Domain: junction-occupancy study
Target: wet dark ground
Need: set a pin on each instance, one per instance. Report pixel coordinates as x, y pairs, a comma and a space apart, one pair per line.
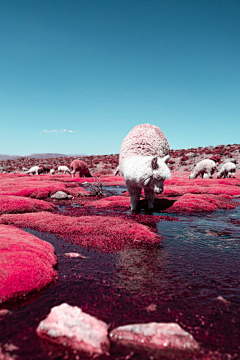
191, 277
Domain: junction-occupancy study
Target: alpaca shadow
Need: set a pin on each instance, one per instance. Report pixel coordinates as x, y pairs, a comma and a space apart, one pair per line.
160, 205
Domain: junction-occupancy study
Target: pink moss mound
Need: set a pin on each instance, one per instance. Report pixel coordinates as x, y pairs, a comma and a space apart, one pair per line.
26, 263
163, 336
103, 232
110, 202
19, 204
201, 194
39, 187
200, 202
70, 326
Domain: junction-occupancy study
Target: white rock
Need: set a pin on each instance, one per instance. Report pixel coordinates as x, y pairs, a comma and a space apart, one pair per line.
69, 325
154, 335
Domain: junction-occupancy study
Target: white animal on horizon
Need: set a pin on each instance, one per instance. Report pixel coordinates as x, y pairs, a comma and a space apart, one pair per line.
143, 158
227, 170
64, 169
203, 168
52, 171
34, 170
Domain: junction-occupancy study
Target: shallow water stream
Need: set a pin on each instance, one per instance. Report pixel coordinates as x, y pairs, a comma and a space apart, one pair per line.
191, 277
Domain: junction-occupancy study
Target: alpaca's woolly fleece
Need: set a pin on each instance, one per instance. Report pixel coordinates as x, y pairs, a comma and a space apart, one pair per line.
227, 170
146, 172
144, 140
139, 171
206, 166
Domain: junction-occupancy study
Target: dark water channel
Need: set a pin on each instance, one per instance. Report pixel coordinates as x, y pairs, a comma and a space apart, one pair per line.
191, 277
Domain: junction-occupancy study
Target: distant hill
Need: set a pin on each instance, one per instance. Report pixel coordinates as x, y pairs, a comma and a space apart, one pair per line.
36, 156
9, 157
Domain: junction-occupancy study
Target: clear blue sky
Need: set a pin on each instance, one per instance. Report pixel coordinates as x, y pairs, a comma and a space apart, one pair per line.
76, 76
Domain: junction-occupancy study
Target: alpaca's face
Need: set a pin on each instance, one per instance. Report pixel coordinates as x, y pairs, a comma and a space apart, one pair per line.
158, 187
161, 172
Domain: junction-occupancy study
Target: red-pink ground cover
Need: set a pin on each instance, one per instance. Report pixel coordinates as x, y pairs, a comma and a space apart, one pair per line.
110, 202
103, 232
19, 204
201, 202
34, 186
26, 263
178, 186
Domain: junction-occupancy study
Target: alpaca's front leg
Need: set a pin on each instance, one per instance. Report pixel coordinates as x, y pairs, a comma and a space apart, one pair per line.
149, 196
135, 196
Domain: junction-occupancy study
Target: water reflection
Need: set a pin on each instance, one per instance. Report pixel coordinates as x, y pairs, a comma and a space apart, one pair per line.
141, 270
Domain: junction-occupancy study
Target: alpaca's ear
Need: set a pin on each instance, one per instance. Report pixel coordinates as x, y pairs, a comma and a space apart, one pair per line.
166, 158
155, 163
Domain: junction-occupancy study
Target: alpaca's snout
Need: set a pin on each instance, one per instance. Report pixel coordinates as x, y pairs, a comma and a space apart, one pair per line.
158, 189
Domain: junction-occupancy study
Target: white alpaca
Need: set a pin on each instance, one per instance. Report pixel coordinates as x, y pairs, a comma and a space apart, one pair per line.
64, 169
148, 172
34, 170
143, 164
227, 170
206, 166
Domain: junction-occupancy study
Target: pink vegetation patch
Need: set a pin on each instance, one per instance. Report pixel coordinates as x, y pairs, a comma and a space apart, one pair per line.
200, 202
31, 186
26, 263
18, 204
110, 202
106, 233
201, 194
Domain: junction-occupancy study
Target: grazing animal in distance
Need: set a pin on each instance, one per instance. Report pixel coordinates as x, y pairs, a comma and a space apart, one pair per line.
143, 158
35, 170
81, 167
203, 167
64, 169
52, 171
227, 170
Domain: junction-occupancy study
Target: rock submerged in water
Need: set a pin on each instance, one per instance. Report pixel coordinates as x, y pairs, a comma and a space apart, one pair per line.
70, 326
160, 336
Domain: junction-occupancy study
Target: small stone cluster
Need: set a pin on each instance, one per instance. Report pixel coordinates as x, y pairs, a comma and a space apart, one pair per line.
70, 326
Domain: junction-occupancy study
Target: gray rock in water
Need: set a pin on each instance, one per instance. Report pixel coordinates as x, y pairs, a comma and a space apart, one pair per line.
61, 195
70, 326
160, 336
